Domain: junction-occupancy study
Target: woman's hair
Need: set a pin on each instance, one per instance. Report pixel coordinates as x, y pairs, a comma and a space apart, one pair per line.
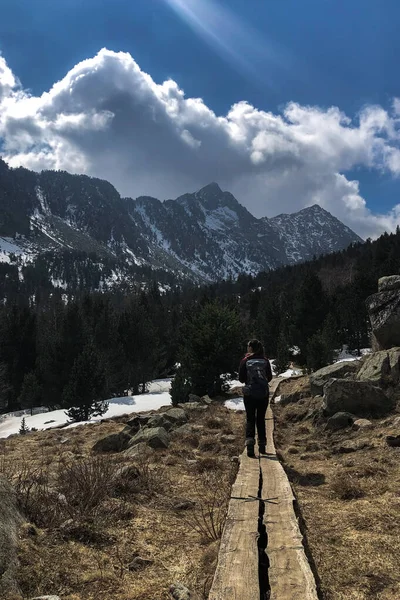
257, 346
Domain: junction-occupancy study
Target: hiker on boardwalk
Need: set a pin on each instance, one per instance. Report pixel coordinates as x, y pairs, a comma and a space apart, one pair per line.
255, 372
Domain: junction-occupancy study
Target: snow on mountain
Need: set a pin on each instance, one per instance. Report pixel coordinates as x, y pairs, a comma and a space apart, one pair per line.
202, 237
311, 232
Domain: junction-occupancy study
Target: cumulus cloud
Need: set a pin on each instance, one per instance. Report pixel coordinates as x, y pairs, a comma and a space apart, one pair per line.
109, 119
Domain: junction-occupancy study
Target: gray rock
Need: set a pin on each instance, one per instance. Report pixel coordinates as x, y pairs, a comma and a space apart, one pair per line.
392, 282
194, 398
206, 399
227, 439
179, 591
46, 598
362, 424
177, 416
155, 437
290, 398
141, 449
350, 446
382, 366
384, 314
357, 397
340, 420
183, 429
116, 442
10, 519
338, 370
193, 406
160, 421
138, 421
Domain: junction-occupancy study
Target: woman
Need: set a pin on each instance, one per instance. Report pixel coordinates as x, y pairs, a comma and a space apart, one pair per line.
255, 372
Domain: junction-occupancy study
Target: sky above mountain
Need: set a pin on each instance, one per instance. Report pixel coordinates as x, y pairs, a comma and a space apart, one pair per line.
285, 104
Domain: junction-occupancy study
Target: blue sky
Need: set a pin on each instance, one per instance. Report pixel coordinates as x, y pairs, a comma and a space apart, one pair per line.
318, 53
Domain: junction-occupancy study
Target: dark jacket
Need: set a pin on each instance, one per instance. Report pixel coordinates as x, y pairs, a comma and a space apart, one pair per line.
243, 369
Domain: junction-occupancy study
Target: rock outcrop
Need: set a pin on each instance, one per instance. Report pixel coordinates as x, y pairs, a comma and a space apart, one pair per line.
381, 367
10, 519
384, 312
360, 398
339, 370
155, 437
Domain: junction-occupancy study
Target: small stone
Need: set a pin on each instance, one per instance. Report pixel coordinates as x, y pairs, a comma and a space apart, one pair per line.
206, 399
227, 439
340, 420
46, 598
351, 446
194, 398
179, 591
141, 449
362, 424
393, 441
138, 563
235, 460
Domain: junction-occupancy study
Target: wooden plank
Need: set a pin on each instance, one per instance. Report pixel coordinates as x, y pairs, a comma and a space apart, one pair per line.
236, 577
289, 573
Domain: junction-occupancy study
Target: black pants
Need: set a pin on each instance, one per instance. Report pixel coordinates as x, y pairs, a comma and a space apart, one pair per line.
255, 416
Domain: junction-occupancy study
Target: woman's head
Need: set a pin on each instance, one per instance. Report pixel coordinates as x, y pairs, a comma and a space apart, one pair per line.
255, 347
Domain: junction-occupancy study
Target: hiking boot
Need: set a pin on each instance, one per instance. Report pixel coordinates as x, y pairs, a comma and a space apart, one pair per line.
261, 448
250, 450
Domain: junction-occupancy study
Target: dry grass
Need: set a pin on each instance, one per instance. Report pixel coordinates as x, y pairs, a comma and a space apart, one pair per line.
89, 516
351, 510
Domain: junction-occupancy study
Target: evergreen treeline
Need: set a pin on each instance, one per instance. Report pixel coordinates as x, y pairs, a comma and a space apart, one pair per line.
76, 350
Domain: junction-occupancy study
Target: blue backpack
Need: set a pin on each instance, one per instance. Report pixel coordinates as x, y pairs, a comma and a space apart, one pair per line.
257, 382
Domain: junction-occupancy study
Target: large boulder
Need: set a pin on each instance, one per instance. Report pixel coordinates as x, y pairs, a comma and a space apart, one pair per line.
177, 416
10, 519
338, 370
392, 282
115, 442
361, 398
380, 367
384, 312
155, 437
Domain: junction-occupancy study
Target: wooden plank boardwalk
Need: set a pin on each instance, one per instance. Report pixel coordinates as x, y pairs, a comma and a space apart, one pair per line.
238, 574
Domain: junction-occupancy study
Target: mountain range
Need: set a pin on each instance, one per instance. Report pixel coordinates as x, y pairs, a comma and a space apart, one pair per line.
201, 237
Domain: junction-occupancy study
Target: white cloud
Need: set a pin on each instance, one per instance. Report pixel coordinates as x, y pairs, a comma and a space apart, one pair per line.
109, 119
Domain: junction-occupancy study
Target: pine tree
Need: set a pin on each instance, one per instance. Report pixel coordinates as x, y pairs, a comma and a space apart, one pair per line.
282, 355
210, 347
86, 390
24, 429
318, 354
31, 392
180, 388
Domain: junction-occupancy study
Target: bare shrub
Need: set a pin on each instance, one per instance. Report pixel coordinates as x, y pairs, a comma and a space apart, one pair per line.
209, 463
85, 484
346, 486
208, 516
37, 500
209, 444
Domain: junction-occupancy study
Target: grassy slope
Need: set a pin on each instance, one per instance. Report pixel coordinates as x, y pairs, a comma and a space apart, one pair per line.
350, 502
82, 548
